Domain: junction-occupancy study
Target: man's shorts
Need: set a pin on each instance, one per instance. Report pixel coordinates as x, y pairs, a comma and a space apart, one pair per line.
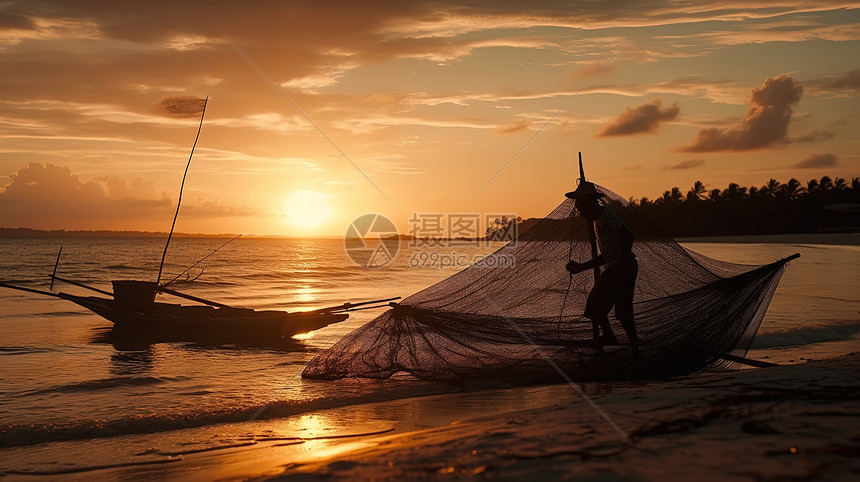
614, 287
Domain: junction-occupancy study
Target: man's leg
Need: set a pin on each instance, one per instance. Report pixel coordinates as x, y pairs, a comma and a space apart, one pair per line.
599, 304
624, 304
630, 329
608, 337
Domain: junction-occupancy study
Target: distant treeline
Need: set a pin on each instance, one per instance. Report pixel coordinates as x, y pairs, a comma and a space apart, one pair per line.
61, 233
775, 208
820, 205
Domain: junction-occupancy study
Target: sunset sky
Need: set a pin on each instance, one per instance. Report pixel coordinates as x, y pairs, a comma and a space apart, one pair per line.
408, 106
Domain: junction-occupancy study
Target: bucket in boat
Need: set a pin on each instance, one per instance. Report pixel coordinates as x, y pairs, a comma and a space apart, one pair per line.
136, 295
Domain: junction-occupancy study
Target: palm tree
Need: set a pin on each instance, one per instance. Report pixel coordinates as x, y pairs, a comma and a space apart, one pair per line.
812, 186
793, 189
671, 197
697, 192
839, 184
772, 187
735, 192
714, 195
754, 192
826, 184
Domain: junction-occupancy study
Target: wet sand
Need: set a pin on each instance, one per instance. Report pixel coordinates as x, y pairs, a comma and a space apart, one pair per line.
845, 239
794, 422
791, 422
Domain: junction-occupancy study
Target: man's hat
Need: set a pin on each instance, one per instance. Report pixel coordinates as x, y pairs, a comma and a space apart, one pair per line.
585, 189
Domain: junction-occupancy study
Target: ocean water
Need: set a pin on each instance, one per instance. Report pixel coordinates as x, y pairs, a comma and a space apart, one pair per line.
75, 396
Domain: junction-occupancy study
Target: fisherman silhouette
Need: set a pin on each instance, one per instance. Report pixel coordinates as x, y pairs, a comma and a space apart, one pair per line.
614, 286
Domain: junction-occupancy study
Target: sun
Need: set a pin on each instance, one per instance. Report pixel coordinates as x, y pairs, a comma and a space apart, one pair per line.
307, 209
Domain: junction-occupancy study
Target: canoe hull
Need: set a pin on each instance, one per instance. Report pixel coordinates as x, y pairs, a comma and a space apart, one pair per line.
205, 321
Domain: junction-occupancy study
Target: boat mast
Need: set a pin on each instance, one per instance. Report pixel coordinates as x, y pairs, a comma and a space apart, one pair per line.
181, 187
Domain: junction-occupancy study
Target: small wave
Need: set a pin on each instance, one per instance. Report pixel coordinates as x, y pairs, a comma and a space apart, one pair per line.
316, 275
47, 314
23, 350
204, 284
59, 313
104, 384
806, 335
125, 267
32, 434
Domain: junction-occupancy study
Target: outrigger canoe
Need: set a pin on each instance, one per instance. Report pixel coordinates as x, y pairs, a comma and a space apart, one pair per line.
131, 308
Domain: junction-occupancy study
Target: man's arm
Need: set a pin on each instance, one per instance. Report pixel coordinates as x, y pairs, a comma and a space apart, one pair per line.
576, 267
626, 241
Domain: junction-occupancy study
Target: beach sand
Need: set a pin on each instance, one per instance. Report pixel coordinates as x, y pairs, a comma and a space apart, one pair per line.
844, 239
795, 422
791, 422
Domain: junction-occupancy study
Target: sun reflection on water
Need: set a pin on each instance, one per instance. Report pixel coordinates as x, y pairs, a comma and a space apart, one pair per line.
314, 426
304, 293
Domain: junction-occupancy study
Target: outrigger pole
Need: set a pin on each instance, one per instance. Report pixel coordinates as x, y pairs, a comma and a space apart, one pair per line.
30, 290
76, 283
161, 289
181, 187
330, 309
351, 306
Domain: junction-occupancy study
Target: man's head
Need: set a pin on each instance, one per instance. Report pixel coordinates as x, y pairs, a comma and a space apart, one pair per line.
589, 206
587, 200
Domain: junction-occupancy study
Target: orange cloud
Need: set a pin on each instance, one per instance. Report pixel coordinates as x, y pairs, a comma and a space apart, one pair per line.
13, 21
812, 137
765, 123
640, 119
688, 164
816, 161
180, 106
849, 81
45, 197
51, 197
515, 127
50, 183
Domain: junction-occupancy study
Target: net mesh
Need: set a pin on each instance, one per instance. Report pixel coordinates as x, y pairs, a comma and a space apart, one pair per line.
505, 316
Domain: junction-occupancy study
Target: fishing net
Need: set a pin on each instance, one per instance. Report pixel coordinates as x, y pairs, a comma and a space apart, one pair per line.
518, 312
